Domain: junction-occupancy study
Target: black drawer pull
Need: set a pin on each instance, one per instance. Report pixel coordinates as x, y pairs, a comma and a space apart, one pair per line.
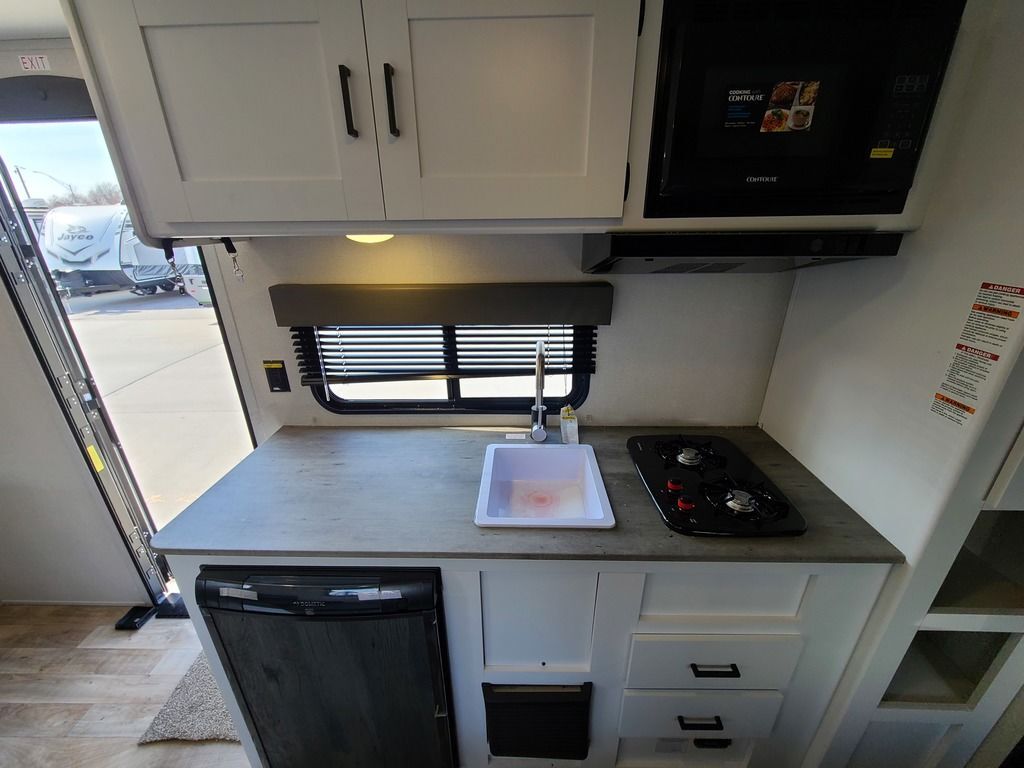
712, 743
715, 670
389, 92
346, 100
701, 723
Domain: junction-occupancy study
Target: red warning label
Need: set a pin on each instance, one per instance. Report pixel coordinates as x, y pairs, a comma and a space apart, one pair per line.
992, 322
1014, 289
978, 352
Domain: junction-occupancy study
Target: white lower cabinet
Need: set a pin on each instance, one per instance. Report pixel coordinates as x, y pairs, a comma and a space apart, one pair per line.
671, 687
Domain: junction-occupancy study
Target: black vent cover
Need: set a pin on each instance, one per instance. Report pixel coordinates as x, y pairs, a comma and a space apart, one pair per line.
547, 721
690, 252
770, 10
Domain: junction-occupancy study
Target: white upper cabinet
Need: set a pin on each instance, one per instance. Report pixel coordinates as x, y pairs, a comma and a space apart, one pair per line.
230, 117
232, 110
502, 108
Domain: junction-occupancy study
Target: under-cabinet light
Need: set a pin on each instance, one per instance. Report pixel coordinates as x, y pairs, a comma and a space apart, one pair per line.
369, 238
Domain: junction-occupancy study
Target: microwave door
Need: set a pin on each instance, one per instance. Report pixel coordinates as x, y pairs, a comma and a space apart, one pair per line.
777, 115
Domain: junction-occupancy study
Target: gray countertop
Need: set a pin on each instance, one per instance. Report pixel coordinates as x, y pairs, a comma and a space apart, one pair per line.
411, 492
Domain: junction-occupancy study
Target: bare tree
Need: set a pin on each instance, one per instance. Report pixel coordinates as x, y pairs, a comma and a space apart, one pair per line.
103, 193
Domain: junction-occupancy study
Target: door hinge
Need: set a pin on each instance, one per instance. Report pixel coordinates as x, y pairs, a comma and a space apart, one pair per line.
625, 186
643, 12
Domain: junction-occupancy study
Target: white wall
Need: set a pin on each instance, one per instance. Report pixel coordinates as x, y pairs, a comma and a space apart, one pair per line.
57, 540
23, 19
693, 349
866, 345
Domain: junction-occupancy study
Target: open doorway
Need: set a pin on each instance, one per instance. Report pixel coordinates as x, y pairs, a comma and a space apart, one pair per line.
147, 329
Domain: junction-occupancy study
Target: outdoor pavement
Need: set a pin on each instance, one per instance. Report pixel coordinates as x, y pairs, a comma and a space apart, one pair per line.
161, 369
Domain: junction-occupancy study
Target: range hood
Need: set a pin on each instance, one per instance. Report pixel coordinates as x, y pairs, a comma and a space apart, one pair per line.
714, 252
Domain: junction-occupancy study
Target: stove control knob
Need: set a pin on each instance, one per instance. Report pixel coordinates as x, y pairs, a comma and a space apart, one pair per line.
685, 504
675, 485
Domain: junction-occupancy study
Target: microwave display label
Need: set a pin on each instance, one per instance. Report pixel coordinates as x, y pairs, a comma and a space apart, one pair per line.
782, 107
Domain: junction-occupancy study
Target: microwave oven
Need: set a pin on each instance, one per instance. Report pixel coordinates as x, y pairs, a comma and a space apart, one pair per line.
781, 108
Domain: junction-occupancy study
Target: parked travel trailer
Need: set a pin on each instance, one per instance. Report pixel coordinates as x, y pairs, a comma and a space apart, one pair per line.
93, 249
616, 384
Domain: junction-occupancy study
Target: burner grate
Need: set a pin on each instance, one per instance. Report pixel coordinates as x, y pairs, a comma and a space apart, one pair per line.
744, 500
689, 454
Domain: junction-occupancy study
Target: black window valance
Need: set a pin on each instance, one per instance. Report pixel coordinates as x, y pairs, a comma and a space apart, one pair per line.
297, 305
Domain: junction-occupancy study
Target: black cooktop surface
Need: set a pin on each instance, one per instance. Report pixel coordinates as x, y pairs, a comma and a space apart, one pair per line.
706, 486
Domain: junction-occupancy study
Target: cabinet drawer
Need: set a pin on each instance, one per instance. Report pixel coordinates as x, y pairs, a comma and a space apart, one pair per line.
697, 714
745, 662
702, 752
739, 591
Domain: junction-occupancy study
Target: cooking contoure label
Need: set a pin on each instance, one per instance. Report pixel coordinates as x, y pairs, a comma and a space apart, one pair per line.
783, 107
991, 322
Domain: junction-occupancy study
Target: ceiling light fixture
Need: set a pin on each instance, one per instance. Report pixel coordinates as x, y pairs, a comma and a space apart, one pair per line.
369, 238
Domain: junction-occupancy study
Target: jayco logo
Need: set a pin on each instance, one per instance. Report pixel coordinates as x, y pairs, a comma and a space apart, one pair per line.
762, 179
75, 232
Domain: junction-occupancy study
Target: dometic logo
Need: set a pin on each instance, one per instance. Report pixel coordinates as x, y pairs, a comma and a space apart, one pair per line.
75, 232
762, 179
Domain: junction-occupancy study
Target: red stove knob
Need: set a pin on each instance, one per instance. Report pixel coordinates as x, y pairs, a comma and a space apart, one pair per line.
685, 504
674, 484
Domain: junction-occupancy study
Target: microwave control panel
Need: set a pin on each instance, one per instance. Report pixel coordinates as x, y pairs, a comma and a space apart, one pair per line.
902, 119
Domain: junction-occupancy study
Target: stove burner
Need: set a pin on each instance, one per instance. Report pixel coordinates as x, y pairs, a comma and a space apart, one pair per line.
692, 455
689, 457
744, 500
741, 501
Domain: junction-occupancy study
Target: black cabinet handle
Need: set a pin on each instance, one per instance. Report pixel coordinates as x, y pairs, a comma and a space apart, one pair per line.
712, 743
346, 100
715, 670
700, 723
389, 91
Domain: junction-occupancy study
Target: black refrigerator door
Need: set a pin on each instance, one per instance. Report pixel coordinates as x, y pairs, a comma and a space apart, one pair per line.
322, 688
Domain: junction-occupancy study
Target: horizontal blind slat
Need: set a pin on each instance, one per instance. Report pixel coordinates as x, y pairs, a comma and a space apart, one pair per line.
340, 354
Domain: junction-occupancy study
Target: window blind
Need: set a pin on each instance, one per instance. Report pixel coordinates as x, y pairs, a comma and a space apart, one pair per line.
338, 354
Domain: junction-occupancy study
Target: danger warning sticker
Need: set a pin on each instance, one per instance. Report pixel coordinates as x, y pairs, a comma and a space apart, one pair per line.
991, 322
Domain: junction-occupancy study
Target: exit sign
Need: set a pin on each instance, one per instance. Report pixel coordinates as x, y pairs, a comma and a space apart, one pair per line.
34, 63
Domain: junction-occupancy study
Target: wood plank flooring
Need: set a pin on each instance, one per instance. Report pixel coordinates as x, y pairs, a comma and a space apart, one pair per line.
76, 693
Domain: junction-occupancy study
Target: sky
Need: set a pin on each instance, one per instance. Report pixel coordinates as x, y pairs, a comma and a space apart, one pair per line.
73, 152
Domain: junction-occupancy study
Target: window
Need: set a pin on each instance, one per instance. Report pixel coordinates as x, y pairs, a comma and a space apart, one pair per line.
443, 368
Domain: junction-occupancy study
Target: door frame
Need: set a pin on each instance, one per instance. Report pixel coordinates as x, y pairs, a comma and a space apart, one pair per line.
30, 286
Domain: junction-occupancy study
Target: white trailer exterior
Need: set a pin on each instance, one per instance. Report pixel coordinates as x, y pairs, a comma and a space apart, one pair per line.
93, 248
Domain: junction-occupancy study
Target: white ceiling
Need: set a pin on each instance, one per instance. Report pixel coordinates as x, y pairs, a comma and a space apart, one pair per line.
25, 19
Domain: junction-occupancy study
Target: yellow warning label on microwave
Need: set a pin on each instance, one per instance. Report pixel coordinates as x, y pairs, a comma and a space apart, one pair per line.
94, 457
882, 153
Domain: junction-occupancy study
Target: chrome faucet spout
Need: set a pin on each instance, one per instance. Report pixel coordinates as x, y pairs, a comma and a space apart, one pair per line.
537, 431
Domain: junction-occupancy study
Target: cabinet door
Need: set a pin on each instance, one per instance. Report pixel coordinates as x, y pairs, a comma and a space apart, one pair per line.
232, 110
502, 109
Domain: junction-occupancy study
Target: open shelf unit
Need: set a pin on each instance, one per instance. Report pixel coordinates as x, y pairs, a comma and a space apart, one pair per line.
975, 587
984, 587
948, 669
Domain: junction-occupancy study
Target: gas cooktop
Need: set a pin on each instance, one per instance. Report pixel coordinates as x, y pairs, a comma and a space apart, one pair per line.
706, 486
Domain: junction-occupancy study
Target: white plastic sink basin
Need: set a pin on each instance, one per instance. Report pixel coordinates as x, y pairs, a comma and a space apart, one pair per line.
542, 486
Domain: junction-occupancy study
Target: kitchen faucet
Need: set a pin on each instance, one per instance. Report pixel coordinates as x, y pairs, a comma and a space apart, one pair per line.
537, 432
